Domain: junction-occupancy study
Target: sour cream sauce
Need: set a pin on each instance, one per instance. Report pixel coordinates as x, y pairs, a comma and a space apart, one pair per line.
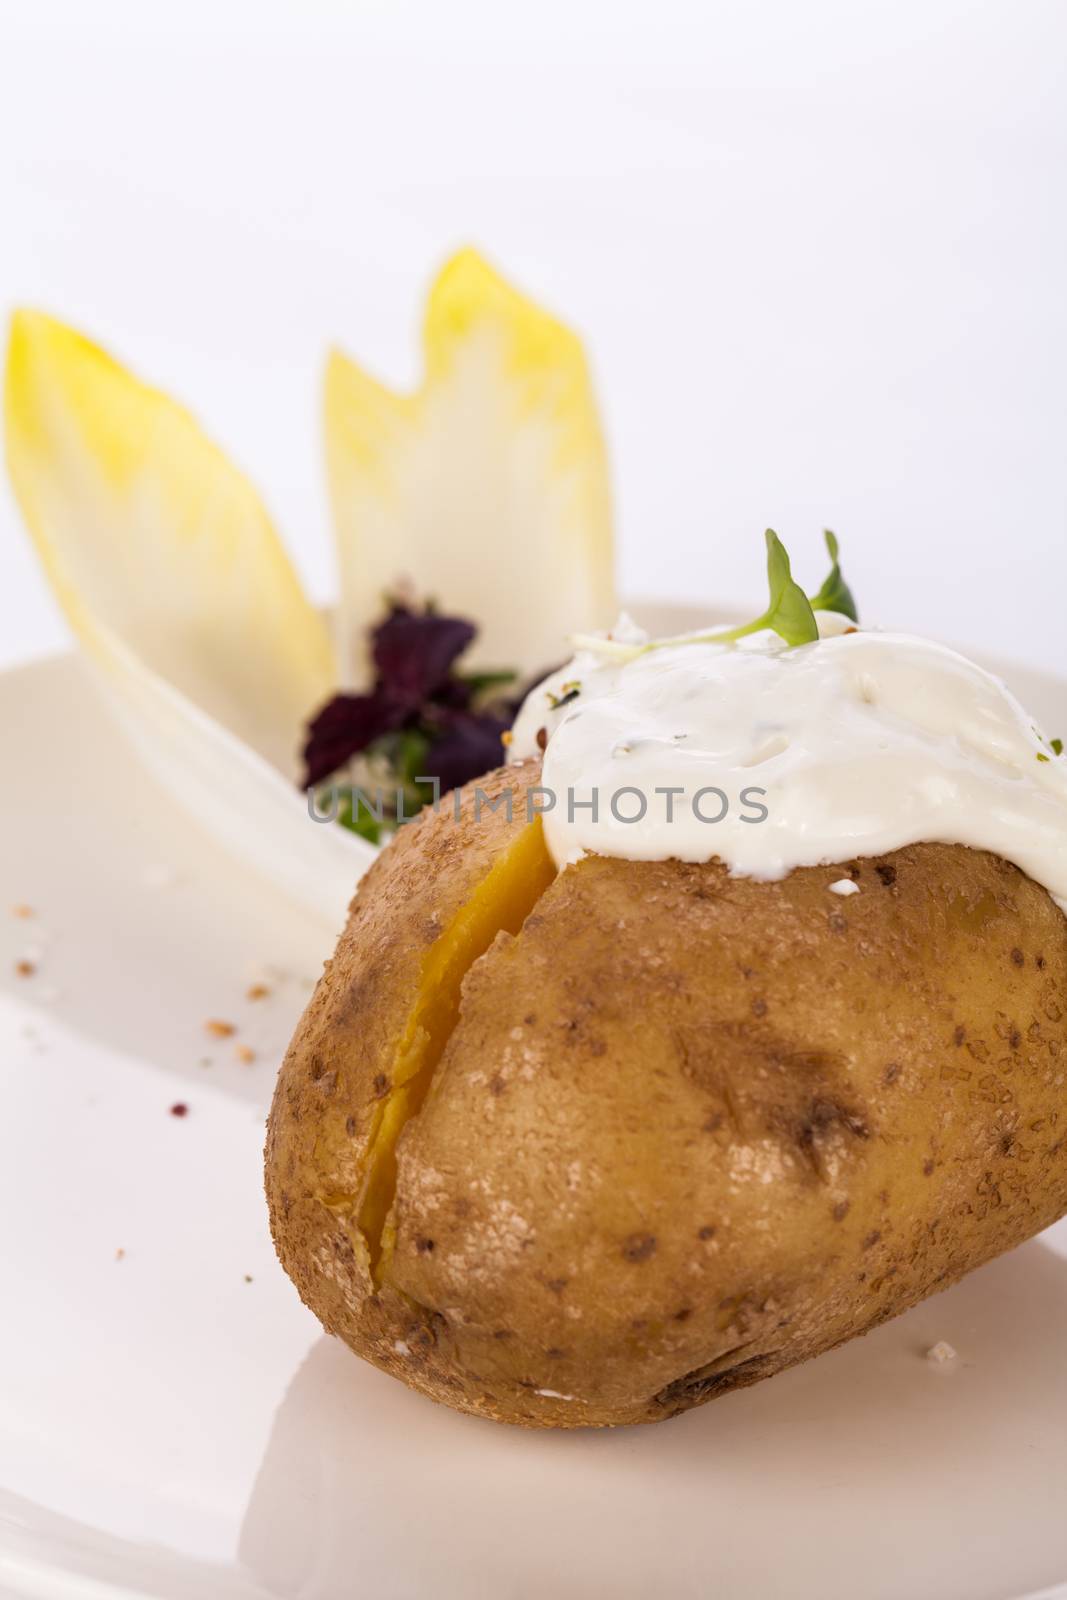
780, 757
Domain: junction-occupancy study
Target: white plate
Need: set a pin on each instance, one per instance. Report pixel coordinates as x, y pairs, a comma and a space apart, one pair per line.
169, 1429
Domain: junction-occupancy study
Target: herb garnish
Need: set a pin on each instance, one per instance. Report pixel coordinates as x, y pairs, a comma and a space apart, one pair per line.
567, 692
790, 613
424, 722
422, 719
835, 594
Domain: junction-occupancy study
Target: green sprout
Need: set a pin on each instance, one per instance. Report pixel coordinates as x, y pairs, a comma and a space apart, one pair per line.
790, 613
835, 594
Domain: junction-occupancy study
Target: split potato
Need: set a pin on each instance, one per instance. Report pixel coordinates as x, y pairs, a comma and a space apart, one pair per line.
594, 1148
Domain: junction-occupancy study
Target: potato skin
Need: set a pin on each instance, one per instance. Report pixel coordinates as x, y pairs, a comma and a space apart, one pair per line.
689, 1130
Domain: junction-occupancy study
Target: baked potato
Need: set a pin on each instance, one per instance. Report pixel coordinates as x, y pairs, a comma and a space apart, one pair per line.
593, 1148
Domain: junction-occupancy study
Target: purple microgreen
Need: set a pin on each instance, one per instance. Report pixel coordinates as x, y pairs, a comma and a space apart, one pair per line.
346, 726
465, 749
413, 651
419, 719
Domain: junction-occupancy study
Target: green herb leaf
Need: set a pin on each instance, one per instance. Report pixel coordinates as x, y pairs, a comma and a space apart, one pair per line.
480, 683
406, 753
835, 594
357, 819
1056, 746
567, 692
789, 613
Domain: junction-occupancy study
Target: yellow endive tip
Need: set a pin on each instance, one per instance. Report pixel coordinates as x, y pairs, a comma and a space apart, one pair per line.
154, 542
487, 487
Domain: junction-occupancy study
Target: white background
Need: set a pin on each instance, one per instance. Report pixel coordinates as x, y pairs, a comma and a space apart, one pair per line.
816, 250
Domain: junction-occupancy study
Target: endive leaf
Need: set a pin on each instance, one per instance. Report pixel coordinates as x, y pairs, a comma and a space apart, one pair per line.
487, 489
235, 794
149, 534
177, 588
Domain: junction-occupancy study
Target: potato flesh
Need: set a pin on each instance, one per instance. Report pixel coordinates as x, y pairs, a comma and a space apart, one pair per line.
500, 904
